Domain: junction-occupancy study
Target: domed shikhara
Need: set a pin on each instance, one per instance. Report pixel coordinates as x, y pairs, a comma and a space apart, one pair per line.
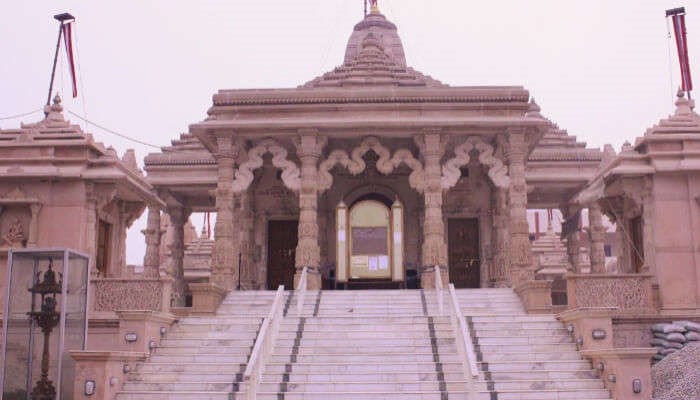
374, 56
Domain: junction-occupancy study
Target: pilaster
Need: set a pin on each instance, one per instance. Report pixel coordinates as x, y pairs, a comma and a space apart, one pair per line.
500, 274
517, 195
308, 252
224, 265
91, 227
434, 250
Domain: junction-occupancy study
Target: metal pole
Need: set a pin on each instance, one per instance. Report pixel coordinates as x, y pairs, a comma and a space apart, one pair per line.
55, 59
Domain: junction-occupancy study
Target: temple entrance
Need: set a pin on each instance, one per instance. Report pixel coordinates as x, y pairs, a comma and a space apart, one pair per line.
370, 244
463, 252
282, 237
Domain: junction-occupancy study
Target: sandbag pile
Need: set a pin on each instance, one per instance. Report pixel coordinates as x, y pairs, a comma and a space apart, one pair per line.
671, 337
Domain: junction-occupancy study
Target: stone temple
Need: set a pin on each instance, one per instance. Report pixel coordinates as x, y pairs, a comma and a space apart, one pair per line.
393, 210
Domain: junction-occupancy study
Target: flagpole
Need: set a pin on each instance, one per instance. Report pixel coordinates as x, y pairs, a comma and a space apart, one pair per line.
61, 18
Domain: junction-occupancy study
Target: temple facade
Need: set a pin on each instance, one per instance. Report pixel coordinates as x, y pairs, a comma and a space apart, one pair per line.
370, 175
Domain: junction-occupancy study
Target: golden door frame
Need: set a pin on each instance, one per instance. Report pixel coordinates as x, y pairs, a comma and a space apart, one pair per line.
361, 215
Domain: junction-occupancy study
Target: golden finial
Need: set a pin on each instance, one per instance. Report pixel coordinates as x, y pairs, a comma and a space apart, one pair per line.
375, 7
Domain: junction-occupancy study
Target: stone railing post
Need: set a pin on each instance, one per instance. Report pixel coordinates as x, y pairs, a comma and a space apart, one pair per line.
224, 272
434, 250
308, 252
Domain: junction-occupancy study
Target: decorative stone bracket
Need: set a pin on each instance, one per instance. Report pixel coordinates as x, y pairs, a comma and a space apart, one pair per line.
451, 169
290, 171
385, 165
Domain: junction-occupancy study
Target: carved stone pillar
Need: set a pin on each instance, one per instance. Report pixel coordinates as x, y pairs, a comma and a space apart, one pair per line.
434, 250
308, 252
520, 255
224, 267
178, 216
597, 229
152, 233
245, 246
500, 274
648, 229
34, 225
91, 227
573, 243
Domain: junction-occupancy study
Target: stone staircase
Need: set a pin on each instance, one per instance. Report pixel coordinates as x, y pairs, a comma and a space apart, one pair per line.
364, 344
202, 358
525, 356
370, 344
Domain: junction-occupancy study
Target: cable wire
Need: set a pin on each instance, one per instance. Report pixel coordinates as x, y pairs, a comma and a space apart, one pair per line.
21, 115
113, 132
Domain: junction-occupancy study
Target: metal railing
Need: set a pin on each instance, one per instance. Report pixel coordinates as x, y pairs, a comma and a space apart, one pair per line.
438, 290
301, 290
264, 345
465, 347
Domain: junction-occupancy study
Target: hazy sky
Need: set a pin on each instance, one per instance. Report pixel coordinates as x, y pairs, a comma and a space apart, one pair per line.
148, 69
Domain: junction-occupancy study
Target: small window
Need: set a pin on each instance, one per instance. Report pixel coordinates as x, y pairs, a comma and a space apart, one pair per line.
608, 250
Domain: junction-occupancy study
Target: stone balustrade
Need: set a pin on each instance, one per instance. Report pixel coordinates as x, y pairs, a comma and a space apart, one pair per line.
630, 293
112, 294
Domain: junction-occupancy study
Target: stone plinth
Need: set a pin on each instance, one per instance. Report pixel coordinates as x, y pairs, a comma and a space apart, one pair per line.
138, 328
206, 297
105, 368
536, 296
592, 326
621, 368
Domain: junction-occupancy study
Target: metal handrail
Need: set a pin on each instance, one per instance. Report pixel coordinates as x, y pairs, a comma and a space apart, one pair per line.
264, 345
464, 340
301, 289
438, 290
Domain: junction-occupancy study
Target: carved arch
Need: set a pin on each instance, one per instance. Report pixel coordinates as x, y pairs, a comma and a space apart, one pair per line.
290, 171
451, 169
385, 165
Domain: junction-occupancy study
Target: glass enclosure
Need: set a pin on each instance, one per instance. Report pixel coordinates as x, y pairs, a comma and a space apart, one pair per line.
44, 318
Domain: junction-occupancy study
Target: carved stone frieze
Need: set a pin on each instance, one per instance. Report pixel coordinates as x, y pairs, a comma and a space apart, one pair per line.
496, 170
123, 294
290, 171
385, 164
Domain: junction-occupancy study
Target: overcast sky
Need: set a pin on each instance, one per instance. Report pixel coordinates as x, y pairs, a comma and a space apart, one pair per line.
148, 69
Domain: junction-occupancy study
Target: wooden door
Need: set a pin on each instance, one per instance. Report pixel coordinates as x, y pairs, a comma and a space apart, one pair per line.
463, 252
282, 237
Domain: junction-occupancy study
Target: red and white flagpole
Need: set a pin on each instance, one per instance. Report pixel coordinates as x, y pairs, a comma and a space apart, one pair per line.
678, 17
64, 31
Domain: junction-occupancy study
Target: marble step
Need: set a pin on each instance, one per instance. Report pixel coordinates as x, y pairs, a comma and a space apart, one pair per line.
379, 320
351, 358
203, 367
378, 335
363, 386
219, 350
305, 349
556, 365
210, 334
198, 358
411, 327
536, 385
366, 342
206, 342
510, 332
362, 367
180, 386
516, 325
398, 376
427, 395
152, 395
543, 375
193, 376
499, 348
532, 356
513, 340
515, 318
